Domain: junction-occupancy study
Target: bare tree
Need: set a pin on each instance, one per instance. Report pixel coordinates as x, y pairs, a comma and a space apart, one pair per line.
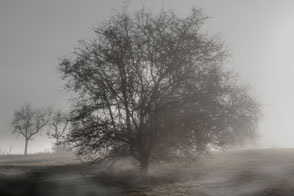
58, 125
28, 122
155, 87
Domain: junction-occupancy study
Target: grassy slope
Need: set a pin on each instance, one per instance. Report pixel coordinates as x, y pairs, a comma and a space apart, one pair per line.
250, 172
253, 172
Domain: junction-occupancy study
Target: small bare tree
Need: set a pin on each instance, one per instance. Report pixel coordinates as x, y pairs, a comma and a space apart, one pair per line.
58, 125
28, 122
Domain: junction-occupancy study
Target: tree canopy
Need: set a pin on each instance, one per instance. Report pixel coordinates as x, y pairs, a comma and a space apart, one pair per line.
154, 87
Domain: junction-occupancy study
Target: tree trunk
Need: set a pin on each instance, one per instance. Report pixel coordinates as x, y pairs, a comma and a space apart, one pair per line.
26, 147
144, 168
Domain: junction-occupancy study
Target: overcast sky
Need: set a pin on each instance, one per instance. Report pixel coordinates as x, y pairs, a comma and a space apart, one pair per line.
35, 33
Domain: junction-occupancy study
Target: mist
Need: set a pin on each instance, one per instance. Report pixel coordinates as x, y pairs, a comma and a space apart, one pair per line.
39, 51
34, 35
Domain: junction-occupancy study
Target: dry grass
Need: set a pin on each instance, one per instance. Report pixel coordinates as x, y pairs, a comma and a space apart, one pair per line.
234, 173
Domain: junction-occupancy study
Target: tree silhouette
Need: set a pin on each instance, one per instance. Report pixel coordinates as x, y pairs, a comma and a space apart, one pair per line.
28, 122
154, 87
58, 125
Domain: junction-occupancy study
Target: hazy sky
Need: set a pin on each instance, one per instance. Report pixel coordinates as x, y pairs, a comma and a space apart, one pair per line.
35, 33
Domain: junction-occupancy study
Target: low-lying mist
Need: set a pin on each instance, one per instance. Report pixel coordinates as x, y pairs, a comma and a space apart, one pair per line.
232, 173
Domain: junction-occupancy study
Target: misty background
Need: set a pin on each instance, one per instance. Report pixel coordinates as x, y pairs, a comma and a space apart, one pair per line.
34, 34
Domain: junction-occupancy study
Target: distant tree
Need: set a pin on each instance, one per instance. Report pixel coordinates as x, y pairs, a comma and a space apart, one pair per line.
155, 87
58, 125
28, 122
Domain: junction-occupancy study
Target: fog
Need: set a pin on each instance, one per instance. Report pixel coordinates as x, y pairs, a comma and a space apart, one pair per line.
34, 34
239, 173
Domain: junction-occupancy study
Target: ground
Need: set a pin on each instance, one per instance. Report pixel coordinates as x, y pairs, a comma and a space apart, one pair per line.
233, 173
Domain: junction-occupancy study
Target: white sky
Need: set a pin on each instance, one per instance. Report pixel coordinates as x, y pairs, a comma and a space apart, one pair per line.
34, 33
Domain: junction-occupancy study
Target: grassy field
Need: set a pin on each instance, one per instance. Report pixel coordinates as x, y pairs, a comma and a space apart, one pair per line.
234, 173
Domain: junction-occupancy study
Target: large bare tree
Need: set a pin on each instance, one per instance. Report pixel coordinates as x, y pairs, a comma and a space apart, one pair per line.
27, 122
154, 87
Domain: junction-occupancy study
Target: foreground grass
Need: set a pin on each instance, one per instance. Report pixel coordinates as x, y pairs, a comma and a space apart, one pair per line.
236, 173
